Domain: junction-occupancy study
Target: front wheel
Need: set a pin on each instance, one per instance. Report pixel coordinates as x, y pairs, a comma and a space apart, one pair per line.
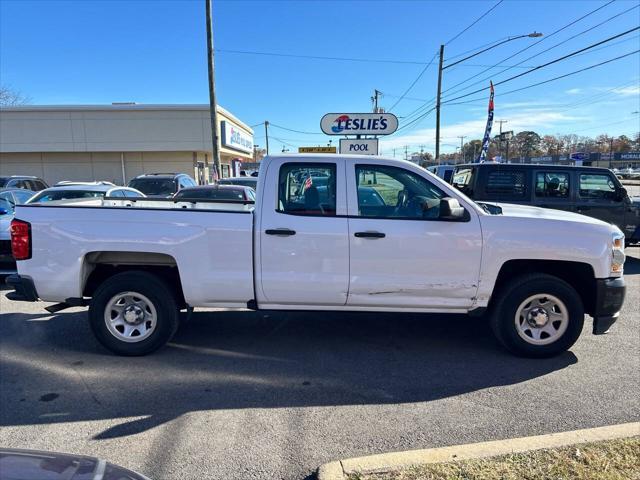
133, 313
537, 315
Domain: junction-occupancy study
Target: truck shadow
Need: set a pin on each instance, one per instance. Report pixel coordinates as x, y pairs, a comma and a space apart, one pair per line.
54, 370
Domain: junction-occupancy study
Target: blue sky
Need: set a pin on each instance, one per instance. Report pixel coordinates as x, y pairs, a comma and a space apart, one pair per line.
88, 52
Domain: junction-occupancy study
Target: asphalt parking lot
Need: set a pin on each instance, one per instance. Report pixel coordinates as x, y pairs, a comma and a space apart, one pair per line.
255, 395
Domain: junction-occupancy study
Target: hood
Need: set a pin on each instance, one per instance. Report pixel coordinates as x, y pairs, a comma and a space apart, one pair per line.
525, 211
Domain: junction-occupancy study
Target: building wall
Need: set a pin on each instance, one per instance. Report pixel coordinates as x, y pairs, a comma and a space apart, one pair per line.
87, 166
90, 142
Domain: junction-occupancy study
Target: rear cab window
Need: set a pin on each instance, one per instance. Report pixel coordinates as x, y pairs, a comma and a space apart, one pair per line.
507, 184
307, 189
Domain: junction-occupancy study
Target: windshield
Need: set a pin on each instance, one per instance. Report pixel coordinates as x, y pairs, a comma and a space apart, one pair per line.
154, 186
244, 183
52, 195
462, 180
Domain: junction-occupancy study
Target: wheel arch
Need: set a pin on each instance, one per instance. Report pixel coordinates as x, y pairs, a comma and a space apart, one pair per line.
98, 266
579, 275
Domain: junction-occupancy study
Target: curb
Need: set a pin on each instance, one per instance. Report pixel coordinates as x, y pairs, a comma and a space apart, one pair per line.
385, 462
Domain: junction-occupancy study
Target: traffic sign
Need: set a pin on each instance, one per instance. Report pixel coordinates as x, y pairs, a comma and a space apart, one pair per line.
317, 150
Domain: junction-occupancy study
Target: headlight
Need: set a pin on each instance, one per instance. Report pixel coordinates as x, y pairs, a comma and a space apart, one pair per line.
617, 253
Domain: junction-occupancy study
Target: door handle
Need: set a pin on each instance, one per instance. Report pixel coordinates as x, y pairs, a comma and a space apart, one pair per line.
370, 235
281, 232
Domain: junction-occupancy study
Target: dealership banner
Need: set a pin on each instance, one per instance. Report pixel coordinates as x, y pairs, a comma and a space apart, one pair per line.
487, 132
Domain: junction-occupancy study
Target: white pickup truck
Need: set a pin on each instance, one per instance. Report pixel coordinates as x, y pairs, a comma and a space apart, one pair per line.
328, 232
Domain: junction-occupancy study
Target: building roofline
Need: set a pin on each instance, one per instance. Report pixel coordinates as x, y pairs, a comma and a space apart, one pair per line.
125, 107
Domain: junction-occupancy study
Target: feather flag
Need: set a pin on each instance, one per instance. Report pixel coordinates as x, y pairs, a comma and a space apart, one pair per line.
487, 132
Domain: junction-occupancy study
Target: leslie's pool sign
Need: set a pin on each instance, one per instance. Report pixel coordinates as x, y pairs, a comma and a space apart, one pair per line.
359, 123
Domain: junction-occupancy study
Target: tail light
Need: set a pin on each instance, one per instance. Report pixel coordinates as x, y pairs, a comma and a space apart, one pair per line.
20, 239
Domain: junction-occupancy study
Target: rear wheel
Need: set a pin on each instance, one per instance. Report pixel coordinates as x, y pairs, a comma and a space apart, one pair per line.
537, 315
133, 313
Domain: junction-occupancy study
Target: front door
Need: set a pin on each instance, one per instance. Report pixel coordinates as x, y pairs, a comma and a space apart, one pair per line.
598, 198
401, 253
304, 246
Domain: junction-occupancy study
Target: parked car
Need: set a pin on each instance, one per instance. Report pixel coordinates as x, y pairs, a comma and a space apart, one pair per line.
426, 248
244, 181
443, 171
25, 182
595, 192
83, 192
9, 198
218, 192
21, 464
162, 184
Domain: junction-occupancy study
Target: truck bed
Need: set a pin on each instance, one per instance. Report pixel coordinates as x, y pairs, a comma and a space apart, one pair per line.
210, 247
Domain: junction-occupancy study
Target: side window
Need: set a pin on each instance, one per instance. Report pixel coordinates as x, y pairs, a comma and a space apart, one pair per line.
188, 182
552, 185
115, 193
307, 189
506, 184
130, 194
38, 185
13, 184
393, 192
597, 186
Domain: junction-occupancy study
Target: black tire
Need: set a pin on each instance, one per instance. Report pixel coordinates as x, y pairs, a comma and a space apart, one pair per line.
156, 291
518, 290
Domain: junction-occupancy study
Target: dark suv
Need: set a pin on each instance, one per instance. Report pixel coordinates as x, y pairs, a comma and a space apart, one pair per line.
591, 191
34, 184
162, 184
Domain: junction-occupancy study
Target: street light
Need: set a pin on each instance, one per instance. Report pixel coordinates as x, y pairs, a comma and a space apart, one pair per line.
533, 34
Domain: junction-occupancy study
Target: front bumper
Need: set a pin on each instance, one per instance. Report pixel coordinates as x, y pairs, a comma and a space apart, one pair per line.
610, 294
23, 289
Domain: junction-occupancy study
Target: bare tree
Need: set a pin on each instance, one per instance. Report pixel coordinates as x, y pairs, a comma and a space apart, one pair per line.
10, 97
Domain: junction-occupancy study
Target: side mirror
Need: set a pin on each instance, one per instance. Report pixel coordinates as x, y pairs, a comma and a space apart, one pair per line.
450, 209
621, 194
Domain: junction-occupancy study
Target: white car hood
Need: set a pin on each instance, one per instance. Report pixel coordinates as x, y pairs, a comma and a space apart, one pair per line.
525, 211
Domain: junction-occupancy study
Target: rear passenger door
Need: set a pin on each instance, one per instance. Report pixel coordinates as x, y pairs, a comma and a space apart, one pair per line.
302, 246
553, 189
598, 198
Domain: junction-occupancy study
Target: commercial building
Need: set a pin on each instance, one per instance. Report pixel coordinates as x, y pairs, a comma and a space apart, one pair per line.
117, 142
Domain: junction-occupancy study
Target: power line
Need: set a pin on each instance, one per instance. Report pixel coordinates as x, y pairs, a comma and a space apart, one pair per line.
292, 130
555, 78
532, 45
320, 57
564, 57
415, 81
436, 54
475, 21
544, 51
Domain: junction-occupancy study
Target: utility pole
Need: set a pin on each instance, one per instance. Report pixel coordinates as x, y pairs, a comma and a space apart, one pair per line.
610, 151
462, 156
438, 104
212, 92
501, 122
266, 134
394, 153
406, 153
374, 100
